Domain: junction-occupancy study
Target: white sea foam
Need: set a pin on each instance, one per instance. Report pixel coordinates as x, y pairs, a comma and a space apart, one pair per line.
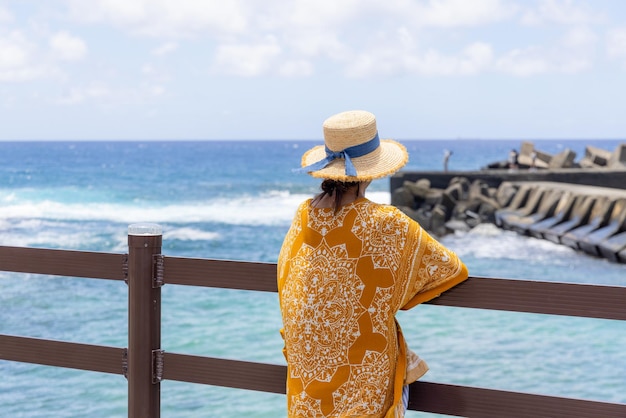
243, 210
49, 238
190, 234
272, 208
487, 241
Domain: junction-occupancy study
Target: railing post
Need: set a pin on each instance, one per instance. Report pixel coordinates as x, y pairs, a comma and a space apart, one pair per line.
144, 321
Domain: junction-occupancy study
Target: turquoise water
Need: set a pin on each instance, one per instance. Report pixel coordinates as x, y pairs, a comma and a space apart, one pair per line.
235, 200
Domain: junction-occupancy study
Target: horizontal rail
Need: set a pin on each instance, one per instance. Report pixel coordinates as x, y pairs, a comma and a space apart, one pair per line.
222, 372
241, 275
583, 300
425, 396
467, 401
63, 262
62, 354
270, 378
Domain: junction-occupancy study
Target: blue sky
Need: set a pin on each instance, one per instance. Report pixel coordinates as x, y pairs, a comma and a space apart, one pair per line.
275, 69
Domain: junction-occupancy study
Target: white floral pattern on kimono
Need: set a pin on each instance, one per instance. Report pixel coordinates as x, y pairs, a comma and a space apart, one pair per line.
341, 279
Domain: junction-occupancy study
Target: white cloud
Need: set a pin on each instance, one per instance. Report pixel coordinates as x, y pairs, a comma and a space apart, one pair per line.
362, 38
296, 68
247, 60
456, 13
473, 59
16, 59
154, 74
164, 18
67, 47
14, 51
400, 53
102, 94
573, 53
155, 90
309, 43
535, 60
523, 62
22, 58
79, 95
5, 15
580, 38
277, 14
616, 43
561, 11
165, 49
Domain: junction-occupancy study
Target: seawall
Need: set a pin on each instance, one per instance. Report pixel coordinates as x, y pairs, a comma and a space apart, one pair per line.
493, 178
581, 208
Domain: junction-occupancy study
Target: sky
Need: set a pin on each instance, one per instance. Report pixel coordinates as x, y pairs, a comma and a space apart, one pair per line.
275, 69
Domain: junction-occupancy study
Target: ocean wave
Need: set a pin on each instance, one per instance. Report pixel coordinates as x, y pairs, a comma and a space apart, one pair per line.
271, 208
190, 234
487, 241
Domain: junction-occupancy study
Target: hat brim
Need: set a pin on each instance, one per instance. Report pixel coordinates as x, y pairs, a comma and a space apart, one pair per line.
388, 158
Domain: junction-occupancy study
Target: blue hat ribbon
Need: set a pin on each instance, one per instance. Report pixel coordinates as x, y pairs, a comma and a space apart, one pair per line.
348, 153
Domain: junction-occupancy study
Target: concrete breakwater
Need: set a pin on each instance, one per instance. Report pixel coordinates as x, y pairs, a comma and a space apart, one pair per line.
529, 157
581, 204
588, 218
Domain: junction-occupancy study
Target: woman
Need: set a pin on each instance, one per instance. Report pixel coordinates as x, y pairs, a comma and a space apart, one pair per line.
347, 265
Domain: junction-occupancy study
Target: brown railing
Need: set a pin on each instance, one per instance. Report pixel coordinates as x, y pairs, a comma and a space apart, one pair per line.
145, 364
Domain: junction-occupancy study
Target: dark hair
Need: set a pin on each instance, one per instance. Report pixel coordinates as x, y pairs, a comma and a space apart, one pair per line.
339, 188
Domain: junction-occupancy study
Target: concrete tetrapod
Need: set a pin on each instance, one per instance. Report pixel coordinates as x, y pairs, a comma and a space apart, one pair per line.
547, 206
600, 215
580, 215
589, 243
562, 213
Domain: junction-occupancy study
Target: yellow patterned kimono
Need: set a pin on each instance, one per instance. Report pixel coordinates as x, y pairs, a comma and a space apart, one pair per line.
341, 279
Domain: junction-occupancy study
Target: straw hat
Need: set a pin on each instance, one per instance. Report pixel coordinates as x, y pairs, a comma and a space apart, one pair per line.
353, 150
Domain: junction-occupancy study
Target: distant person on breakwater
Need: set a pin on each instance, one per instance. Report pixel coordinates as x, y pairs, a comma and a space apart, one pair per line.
346, 266
446, 158
513, 158
533, 160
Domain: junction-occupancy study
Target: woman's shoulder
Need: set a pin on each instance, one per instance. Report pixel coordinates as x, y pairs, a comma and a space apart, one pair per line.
382, 207
385, 211
305, 204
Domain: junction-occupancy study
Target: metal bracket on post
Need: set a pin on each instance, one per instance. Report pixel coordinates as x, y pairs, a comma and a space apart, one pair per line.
158, 272
125, 268
157, 366
125, 363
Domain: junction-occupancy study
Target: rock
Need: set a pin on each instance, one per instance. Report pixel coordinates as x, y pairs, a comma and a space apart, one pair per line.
564, 159
525, 158
618, 157
595, 157
478, 188
457, 225
402, 197
449, 200
433, 197
419, 188
526, 149
438, 221
505, 193
487, 212
462, 208
423, 217
410, 212
461, 182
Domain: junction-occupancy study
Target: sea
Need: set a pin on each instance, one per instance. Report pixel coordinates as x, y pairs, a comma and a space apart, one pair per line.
234, 200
